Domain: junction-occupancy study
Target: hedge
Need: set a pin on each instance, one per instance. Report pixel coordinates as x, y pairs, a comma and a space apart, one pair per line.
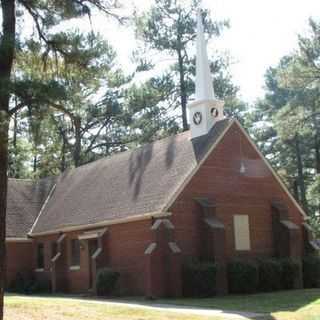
311, 271
270, 274
29, 285
199, 278
243, 276
291, 270
106, 281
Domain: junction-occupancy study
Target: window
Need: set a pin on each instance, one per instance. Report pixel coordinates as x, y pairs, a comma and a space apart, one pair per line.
241, 232
75, 252
40, 256
54, 249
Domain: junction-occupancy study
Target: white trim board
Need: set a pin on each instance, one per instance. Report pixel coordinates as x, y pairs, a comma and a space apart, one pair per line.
103, 223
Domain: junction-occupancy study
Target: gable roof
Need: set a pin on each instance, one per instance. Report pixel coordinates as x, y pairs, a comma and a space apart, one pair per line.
24, 201
129, 184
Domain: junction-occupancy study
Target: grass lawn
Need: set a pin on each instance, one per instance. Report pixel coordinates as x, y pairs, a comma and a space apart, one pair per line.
285, 305
45, 308
293, 305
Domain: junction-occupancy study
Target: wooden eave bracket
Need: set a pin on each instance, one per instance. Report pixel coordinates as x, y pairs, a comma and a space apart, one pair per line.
289, 224
151, 247
166, 222
205, 203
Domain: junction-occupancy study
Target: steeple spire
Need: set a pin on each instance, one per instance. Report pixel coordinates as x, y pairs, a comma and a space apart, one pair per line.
204, 87
206, 110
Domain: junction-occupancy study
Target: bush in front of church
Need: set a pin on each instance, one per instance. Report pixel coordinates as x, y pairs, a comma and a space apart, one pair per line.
311, 271
199, 278
270, 274
243, 276
291, 270
106, 281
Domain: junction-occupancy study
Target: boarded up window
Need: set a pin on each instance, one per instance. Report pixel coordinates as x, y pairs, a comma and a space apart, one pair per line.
75, 252
241, 232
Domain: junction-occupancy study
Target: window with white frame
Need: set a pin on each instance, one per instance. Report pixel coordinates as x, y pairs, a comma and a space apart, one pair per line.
241, 232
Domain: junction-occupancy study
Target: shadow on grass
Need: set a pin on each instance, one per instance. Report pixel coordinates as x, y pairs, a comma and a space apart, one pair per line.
262, 303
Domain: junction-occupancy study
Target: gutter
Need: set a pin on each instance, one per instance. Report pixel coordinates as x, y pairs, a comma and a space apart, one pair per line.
20, 240
141, 217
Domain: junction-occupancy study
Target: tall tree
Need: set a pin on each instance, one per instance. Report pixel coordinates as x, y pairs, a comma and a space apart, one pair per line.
45, 15
170, 28
290, 118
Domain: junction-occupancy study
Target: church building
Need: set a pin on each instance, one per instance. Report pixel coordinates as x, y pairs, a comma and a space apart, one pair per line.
205, 193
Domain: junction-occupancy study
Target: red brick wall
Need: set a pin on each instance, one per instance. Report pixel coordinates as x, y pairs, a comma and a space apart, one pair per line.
77, 281
219, 179
19, 260
125, 245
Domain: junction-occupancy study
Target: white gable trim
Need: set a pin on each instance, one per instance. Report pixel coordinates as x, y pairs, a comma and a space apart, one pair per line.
43, 207
284, 187
194, 170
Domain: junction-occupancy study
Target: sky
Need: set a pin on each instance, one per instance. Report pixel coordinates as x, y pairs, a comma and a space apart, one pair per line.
261, 32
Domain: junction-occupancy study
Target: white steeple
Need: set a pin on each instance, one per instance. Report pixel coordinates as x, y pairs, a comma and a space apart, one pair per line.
204, 88
205, 110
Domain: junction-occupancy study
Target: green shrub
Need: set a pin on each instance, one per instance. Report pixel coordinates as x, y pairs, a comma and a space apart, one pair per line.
199, 278
28, 285
242, 276
38, 286
291, 270
106, 281
270, 274
311, 271
18, 284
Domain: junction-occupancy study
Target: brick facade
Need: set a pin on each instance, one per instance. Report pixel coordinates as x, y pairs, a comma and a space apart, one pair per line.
149, 258
219, 179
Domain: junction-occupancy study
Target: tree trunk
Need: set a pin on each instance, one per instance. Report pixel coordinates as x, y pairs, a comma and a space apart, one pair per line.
296, 190
7, 45
63, 155
300, 174
77, 146
317, 151
183, 93
316, 140
15, 128
35, 163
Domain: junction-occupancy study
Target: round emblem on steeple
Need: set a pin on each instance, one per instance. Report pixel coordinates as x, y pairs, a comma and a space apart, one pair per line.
197, 118
214, 112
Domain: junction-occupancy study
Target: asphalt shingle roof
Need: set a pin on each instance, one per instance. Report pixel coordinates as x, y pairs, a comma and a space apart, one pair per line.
24, 201
124, 185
